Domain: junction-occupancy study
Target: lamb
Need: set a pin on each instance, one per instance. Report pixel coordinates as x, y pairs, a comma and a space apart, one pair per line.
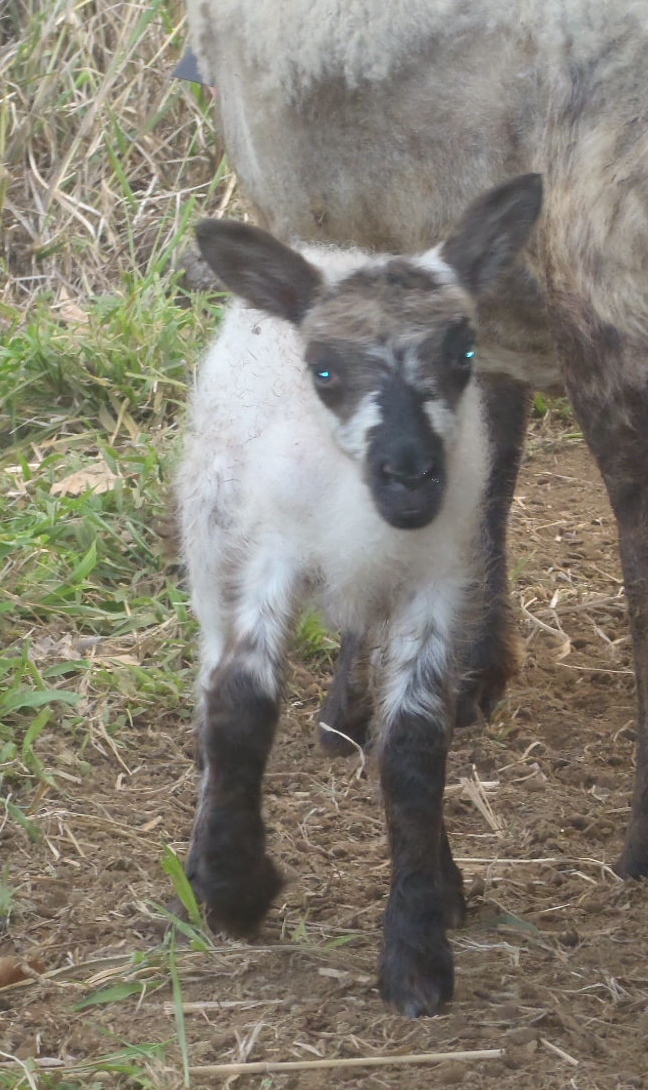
376, 124
337, 451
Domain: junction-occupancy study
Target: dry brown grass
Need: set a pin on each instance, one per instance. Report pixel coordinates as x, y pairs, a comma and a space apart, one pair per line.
104, 156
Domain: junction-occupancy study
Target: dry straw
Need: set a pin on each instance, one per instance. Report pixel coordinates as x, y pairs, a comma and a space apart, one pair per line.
262, 1067
103, 156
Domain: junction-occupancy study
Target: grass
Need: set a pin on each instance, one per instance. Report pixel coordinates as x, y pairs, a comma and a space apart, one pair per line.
313, 641
106, 163
134, 1067
96, 200
94, 625
89, 601
106, 156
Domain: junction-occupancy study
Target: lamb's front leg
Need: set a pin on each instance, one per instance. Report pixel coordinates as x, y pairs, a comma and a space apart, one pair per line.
228, 866
416, 972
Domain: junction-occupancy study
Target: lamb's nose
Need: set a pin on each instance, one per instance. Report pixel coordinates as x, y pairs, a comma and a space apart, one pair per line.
409, 474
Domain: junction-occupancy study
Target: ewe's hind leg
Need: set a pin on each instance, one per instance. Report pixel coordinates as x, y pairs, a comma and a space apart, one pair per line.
611, 403
491, 658
348, 707
416, 973
227, 864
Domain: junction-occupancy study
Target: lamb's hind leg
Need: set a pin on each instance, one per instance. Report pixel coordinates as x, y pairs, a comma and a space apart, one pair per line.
347, 710
228, 866
610, 397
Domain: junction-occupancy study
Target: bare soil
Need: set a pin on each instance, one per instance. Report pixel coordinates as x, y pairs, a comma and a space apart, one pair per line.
553, 963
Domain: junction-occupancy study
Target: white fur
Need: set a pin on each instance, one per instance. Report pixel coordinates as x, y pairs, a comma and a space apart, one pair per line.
352, 434
274, 510
441, 417
432, 262
417, 660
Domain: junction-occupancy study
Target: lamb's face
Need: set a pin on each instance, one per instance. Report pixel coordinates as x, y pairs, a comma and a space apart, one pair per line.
390, 346
390, 352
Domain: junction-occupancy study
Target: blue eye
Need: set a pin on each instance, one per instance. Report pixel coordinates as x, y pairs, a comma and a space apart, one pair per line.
326, 376
469, 355
326, 379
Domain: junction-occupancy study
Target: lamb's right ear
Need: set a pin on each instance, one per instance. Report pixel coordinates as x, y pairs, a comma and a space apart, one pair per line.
259, 268
492, 231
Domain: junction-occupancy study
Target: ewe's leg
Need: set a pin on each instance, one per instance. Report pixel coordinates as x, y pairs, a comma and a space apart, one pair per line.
348, 706
490, 659
426, 893
454, 904
227, 863
611, 401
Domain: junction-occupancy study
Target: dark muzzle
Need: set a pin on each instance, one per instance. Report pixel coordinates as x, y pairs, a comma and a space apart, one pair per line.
406, 462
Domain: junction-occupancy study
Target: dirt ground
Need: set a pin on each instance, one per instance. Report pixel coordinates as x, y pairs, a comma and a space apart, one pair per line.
552, 966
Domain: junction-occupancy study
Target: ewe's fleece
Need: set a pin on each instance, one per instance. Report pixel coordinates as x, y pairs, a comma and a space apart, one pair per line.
294, 43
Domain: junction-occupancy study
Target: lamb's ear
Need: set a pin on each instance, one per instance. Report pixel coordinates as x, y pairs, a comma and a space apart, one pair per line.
253, 264
492, 232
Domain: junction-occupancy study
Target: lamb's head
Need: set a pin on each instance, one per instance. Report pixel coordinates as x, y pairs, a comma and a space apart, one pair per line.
389, 344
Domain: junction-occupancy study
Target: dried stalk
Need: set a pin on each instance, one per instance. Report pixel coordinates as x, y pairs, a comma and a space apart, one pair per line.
263, 1067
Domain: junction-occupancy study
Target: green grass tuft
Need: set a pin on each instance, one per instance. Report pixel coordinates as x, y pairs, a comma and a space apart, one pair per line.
90, 602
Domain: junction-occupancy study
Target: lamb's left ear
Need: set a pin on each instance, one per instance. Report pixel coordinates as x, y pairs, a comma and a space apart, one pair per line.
253, 264
492, 232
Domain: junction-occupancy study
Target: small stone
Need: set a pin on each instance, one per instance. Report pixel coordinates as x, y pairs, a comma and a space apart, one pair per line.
477, 888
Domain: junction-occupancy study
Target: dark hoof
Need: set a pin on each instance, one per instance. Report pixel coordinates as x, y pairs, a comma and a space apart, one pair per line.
467, 712
174, 910
479, 696
633, 862
236, 901
417, 979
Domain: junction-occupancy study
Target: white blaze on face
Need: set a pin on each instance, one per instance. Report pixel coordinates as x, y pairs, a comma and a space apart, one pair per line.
441, 418
351, 434
439, 415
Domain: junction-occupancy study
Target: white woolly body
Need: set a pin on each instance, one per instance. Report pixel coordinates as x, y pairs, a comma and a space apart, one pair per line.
270, 501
